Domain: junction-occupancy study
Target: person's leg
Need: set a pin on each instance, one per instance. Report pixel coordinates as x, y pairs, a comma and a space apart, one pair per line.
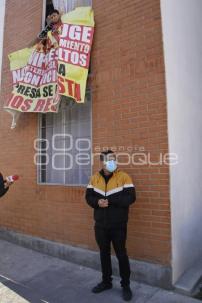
103, 240
118, 236
119, 243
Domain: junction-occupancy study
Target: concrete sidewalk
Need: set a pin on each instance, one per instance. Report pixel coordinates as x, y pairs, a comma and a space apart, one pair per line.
29, 276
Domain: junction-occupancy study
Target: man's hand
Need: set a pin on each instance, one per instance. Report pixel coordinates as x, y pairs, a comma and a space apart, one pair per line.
103, 203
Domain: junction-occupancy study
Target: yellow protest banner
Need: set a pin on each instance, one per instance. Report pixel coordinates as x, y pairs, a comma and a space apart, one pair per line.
74, 52
59, 66
34, 75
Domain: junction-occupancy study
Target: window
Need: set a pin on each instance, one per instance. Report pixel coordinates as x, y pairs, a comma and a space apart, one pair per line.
63, 150
68, 5
65, 144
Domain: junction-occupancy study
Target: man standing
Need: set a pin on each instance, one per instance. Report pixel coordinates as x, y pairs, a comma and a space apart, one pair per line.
110, 192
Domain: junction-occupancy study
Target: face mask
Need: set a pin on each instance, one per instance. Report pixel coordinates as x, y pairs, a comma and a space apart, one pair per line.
111, 165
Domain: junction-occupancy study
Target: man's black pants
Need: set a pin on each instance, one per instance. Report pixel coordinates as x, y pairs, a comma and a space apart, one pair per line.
104, 237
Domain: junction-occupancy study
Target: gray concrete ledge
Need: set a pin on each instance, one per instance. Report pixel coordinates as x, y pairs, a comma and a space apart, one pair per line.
152, 274
190, 283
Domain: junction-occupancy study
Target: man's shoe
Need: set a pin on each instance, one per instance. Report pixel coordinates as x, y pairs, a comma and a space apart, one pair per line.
127, 293
101, 287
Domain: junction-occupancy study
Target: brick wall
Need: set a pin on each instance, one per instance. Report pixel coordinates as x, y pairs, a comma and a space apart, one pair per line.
129, 111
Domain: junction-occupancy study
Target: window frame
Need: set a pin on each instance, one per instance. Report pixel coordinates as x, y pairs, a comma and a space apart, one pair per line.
39, 122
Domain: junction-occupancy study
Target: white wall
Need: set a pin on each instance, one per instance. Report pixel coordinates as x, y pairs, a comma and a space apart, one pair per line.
182, 36
2, 13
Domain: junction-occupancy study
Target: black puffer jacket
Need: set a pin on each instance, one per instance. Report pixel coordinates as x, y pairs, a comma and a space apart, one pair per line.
2, 189
120, 192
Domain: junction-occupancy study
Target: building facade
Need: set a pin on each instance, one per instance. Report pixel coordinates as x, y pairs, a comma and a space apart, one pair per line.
126, 109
